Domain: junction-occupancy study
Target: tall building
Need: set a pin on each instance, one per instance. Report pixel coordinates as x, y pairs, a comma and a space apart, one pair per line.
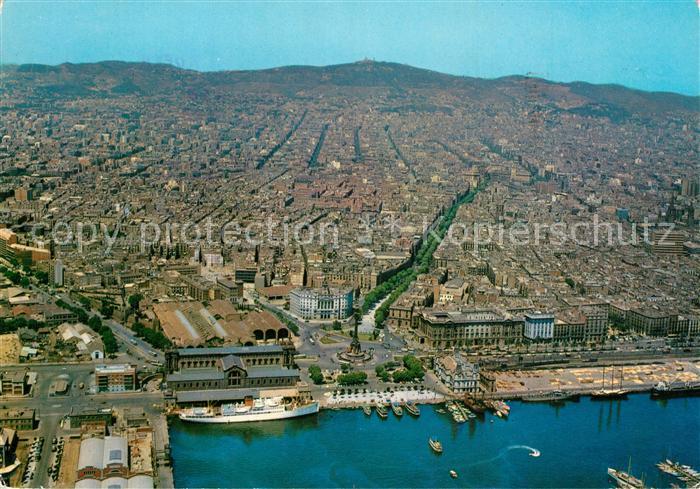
539, 326
7, 239
666, 241
57, 274
324, 303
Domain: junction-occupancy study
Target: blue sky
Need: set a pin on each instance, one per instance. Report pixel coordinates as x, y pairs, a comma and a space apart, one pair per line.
651, 45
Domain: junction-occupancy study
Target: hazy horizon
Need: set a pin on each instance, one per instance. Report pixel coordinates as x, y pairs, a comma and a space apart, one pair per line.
651, 46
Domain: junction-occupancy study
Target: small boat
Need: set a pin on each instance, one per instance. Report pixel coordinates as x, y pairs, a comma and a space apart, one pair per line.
397, 409
382, 412
435, 445
412, 409
453, 474
534, 452
367, 410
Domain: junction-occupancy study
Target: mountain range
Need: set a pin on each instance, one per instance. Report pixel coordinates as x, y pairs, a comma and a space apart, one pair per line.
23, 83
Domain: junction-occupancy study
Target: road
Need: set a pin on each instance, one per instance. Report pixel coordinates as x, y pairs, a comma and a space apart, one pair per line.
52, 409
135, 345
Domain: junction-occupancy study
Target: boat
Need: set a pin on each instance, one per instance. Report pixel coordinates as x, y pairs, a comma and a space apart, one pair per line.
367, 409
500, 408
397, 409
553, 397
435, 445
382, 412
478, 406
412, 409
453, 474
604, 394
266, 409
611, 392
675, 389
686, 473
624, 480
534, 452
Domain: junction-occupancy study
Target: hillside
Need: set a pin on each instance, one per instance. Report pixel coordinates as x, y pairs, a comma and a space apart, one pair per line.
25, 83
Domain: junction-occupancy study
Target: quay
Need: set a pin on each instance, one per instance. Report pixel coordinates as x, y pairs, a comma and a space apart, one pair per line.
330, 401
519, 384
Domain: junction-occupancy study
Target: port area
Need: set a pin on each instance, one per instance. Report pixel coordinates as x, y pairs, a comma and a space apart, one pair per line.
329, 400
515, 384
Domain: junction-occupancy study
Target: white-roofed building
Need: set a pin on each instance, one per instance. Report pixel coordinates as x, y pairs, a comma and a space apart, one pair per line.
86, 341
104, 463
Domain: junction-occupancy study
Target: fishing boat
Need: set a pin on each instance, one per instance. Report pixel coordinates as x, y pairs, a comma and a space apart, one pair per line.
435, 445
367, 410
397, 409
453, 474
412, 409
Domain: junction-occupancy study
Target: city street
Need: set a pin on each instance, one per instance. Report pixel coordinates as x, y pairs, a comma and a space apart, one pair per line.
50, 410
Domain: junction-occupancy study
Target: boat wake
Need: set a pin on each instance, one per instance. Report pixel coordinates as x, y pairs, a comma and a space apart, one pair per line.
533, 453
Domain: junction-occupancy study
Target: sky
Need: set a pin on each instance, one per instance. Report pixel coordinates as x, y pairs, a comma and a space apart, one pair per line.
650, 45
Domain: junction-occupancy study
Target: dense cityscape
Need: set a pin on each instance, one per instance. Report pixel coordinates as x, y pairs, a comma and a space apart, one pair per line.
180, 246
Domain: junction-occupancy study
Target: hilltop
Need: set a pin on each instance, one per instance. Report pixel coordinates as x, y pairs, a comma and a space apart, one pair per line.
118, 79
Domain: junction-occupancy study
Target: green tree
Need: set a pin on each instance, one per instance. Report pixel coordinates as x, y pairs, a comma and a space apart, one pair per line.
315, 374
134, 301
352, 378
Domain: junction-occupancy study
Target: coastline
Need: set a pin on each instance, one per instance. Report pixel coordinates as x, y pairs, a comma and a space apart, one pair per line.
486, 451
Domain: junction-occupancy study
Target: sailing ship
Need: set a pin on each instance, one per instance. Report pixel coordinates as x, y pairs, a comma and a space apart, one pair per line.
611, 392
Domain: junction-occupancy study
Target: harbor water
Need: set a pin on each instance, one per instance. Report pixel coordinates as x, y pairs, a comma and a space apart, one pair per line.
345, 448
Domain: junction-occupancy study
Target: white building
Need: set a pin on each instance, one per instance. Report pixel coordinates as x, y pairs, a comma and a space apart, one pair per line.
457, 373
325, 303
58, 273
105, 463
539, 326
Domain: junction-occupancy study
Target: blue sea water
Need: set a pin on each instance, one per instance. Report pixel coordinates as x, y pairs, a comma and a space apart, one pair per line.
577, 441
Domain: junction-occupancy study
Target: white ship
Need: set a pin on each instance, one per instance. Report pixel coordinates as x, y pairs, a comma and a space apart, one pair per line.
259, 410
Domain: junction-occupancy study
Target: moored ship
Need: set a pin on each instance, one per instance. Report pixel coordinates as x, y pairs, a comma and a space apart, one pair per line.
675, 389
611, 392
624, 480
381, 411
412, 409
258, 410
553, 397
